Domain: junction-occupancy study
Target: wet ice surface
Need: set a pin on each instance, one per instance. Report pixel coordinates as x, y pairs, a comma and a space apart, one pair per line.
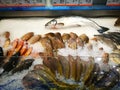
13, 82
19, 27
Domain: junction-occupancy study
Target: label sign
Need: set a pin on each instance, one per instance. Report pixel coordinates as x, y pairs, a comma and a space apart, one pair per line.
85, 2
22, 2
58, 2
113, 2
72, 2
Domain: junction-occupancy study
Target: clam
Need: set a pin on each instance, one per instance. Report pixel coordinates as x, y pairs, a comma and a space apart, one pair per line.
27, 36
79, 69
56, 39
6, 35
72, 43
84, 38
114, 57
44, 77
34, 39
73, 35
47, 44
73, 69
65, 37
7, 43
65, 66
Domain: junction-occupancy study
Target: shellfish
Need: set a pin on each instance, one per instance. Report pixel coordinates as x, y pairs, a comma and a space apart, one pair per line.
27, 36
69, 73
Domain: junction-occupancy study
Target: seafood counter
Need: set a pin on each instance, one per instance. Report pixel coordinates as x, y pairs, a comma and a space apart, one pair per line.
67, 53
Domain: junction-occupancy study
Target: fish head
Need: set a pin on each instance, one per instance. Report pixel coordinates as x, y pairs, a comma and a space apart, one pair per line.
99, 37
1, 51
53, 24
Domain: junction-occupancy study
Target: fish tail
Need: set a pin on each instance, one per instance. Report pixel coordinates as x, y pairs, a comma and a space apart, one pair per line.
100, 29
103, 29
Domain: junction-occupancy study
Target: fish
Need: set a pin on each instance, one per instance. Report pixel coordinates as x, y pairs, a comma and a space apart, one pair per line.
11, 64
43, 77
117, 22
113, 36
2, 57
1, 52
55, 38
68, 22
114, 58
90, 67
51, 63
73, 68
93, 75
106, 41
23, 65
108, 79
33, 80
79, 68
65, 66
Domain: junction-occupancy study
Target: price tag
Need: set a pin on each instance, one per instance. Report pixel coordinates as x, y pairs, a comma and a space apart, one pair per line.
58, 2
5, 3
113, 2
72, 2
85, 2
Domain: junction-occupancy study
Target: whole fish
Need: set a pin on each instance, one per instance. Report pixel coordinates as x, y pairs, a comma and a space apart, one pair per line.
11, 64
1, 56
117, 22
68, 22
106, 41
114, 36
23, 65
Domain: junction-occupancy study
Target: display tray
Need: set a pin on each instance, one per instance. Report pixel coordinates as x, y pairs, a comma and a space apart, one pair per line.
20, 26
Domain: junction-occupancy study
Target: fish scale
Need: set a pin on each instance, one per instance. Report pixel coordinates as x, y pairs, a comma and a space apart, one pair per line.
86, 74
77, 21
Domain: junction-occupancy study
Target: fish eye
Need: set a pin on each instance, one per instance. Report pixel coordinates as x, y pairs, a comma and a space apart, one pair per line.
53, 21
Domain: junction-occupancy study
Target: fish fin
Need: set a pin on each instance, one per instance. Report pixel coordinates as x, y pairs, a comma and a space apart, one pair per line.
103, 29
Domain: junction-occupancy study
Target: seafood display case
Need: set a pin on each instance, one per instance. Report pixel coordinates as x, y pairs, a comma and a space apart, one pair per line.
19, 8
59, 44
